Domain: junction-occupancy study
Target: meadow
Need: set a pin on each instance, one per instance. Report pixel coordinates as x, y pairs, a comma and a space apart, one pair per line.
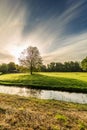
20, 113
26, 113
73, 82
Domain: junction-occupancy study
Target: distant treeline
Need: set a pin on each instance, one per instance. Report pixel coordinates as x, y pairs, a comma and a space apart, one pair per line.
11, 67
66, 66
62, 67
51, 67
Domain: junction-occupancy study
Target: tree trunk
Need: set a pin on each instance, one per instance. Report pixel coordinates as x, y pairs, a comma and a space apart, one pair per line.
31, 72
31, 69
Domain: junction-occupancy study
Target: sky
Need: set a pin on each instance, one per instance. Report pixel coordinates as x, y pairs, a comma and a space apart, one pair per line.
58, 28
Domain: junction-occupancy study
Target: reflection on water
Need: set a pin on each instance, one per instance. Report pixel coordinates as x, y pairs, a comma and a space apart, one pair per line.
45, 94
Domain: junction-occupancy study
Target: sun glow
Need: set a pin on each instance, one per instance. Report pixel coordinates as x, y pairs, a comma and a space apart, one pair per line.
16, 51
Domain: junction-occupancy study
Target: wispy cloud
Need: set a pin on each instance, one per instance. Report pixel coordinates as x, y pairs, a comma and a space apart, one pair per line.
76, 50
19, 28
5, 56
11, 24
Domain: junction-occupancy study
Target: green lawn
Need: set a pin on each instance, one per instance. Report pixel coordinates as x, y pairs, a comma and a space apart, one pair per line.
58, 81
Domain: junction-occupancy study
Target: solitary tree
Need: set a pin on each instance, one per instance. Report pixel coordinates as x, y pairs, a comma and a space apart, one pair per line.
31, 58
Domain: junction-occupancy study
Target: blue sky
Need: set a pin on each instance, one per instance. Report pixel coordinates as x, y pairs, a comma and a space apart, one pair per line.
57, 27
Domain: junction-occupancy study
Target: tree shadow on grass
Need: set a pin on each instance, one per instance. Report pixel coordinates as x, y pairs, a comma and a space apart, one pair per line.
40, 81
59, 83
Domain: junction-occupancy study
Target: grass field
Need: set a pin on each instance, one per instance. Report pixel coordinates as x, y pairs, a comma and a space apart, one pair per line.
20, 113
57, 81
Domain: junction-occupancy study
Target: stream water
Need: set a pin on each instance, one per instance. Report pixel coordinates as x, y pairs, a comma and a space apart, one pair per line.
45, 94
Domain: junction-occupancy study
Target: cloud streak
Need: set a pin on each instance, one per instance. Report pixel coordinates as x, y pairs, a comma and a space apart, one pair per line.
75, 51
23, 24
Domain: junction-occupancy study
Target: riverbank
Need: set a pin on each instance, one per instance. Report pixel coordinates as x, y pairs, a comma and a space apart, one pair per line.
20, 113
72, 82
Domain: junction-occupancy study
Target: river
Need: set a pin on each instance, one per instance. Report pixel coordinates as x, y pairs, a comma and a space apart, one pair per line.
45, 94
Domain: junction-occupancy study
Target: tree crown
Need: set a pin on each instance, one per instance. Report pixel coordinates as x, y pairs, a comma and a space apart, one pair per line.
31, 58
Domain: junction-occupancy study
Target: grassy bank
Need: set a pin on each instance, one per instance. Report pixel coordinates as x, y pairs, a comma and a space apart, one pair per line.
76, 82
19, 113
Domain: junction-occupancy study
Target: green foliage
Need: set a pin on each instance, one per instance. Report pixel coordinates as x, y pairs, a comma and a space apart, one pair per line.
12, 67
34, 63
21, 69
55, 127
84, 64
62, 67
82, 126
3, 68
61, 117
